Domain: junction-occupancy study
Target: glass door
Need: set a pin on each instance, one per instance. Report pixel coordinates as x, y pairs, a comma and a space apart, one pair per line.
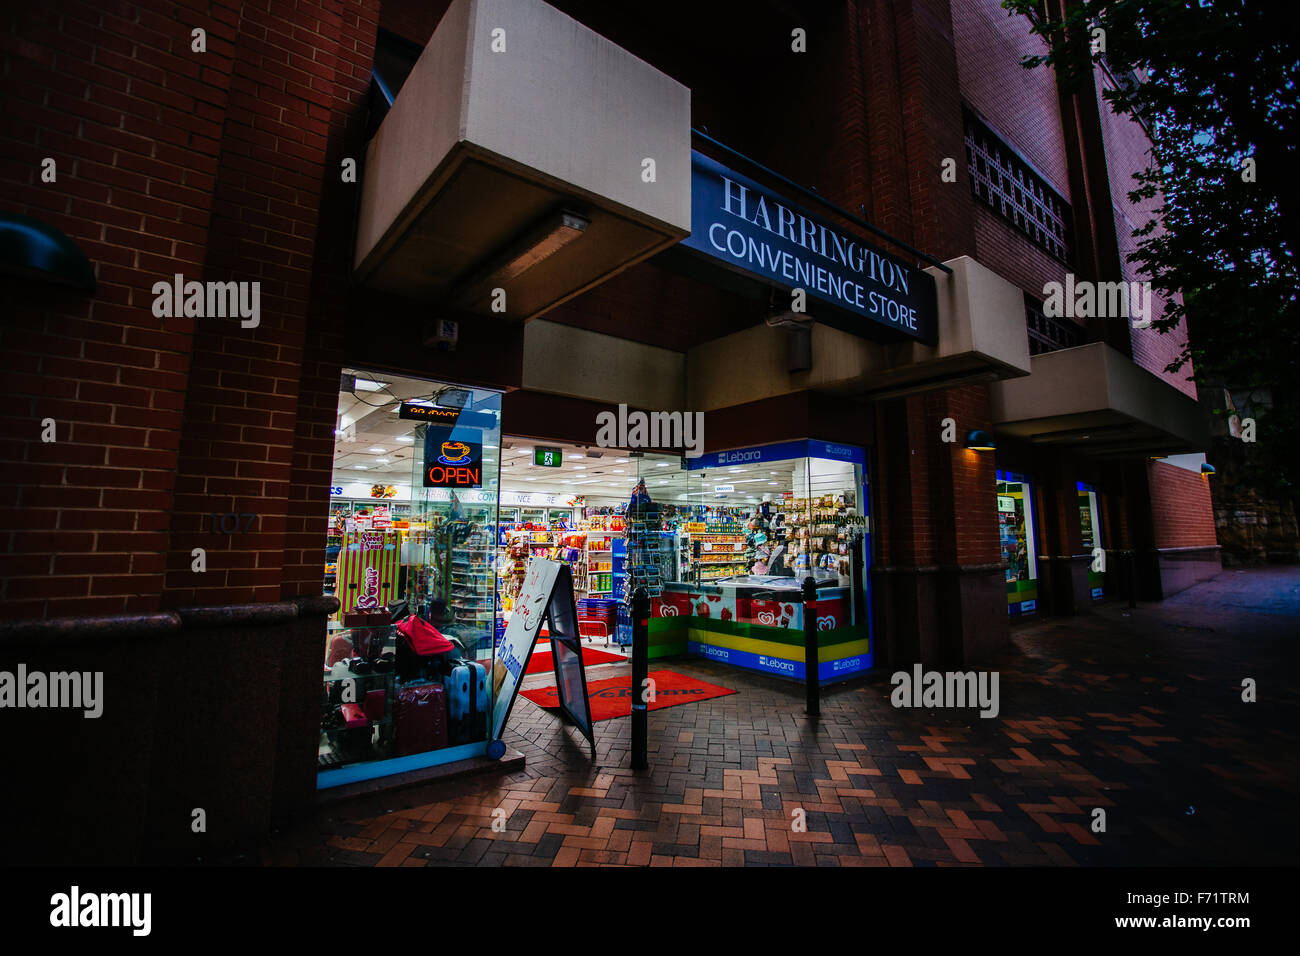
1016, 530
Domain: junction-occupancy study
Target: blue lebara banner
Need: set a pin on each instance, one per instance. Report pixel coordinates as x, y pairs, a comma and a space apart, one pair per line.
753, 230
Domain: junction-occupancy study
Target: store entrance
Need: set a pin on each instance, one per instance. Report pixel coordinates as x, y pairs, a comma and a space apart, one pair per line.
566, 502
409, 671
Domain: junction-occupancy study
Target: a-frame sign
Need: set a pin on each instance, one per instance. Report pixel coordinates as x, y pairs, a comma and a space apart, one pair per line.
545, 598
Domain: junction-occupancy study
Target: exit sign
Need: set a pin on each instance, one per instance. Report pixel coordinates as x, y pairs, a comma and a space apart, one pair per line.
548, 457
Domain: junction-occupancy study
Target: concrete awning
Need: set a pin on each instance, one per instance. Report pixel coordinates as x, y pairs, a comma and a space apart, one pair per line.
514, 157
1098, 402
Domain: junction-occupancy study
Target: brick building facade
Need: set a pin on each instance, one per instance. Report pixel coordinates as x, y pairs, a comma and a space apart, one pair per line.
225, 165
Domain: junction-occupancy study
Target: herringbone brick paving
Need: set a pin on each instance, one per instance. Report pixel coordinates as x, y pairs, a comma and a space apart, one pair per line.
1137, 713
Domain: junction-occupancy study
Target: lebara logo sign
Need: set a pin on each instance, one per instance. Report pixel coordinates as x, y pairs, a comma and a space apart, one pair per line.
776, 664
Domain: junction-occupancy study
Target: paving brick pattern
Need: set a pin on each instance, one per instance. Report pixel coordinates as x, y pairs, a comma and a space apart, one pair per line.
1136, 713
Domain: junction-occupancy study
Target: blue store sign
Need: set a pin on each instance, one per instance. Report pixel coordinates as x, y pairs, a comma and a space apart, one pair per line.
752, 230
781, 451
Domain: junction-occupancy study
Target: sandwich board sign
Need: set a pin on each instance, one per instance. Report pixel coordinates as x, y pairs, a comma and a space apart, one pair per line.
546, 597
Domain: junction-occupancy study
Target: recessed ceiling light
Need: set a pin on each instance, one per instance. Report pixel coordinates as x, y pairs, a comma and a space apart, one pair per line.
378, 451
524, 451
381, 461
620, 461
575, 457
405, 438
661, 464
579, 467
620, 471
530, 479
360, 467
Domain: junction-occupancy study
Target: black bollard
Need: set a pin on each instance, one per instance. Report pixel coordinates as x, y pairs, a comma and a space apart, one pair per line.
640, 665
812, 685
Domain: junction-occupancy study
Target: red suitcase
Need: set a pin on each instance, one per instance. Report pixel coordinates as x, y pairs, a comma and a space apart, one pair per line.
421, 718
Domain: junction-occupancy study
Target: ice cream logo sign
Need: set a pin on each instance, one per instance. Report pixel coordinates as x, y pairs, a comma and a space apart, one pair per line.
826, 623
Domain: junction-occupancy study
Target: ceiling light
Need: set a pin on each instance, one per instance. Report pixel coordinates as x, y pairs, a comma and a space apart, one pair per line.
620, 471
360, 467
381, 461
620, 461
579, 467
405, 438
546, 237
575, 457
661, 464
368, 385
378, 451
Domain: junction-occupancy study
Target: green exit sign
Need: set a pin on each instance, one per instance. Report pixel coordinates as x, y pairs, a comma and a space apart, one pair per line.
548, 457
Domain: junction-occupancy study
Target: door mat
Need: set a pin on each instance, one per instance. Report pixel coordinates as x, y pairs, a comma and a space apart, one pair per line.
612, 697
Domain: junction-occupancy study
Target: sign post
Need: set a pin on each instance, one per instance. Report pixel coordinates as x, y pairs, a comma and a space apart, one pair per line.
546, 597
812, 683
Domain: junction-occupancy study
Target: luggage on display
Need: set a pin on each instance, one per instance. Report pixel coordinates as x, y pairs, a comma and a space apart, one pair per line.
468, 700
421, 719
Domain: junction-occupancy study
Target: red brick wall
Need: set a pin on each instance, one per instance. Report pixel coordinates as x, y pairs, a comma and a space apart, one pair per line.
1181, 509
1127, 151
207, 164
112, 92
297, 70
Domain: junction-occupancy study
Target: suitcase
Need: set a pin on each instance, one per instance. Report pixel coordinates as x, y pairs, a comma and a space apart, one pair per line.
468, 701
420, 715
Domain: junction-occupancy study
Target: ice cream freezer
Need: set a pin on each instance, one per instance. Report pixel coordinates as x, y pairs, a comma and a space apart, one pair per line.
757, 622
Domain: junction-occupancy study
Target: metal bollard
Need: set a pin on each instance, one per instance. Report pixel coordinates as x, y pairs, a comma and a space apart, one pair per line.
640, 666
812, 685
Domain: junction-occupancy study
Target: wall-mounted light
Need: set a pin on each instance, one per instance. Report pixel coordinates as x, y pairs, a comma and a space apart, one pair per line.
979, 440
31, 249
1207, 470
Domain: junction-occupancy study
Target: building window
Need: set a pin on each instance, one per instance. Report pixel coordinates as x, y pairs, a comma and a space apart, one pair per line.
1006, 184
1047, 334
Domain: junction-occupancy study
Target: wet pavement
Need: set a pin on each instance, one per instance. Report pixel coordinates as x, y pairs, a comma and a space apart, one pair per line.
1137, 713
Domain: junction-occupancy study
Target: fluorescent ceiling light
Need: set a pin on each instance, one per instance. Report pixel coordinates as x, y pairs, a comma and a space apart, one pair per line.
381, 461
546, 237
620, 471
369, 385
579, 467
360, 467
406, 438
620, 461
378, 451
661, 464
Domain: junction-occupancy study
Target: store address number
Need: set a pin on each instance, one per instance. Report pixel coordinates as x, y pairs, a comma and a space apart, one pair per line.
230, 521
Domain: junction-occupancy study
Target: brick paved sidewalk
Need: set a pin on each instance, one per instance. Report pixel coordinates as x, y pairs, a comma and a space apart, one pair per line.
1137, 712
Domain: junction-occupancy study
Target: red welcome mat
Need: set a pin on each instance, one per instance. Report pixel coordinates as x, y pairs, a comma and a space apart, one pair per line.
541, 659
612, 697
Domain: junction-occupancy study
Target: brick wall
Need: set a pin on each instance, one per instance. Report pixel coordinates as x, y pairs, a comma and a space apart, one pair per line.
169, 161
112, 92
1021, 105
1128, 151
1181, 508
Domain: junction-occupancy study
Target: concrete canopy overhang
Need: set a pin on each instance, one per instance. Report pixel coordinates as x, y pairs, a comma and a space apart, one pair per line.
1096, 401
981, 338
515, 157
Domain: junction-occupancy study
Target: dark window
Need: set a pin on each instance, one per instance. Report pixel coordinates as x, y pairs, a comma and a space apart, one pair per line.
1049, 334
1006, 184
